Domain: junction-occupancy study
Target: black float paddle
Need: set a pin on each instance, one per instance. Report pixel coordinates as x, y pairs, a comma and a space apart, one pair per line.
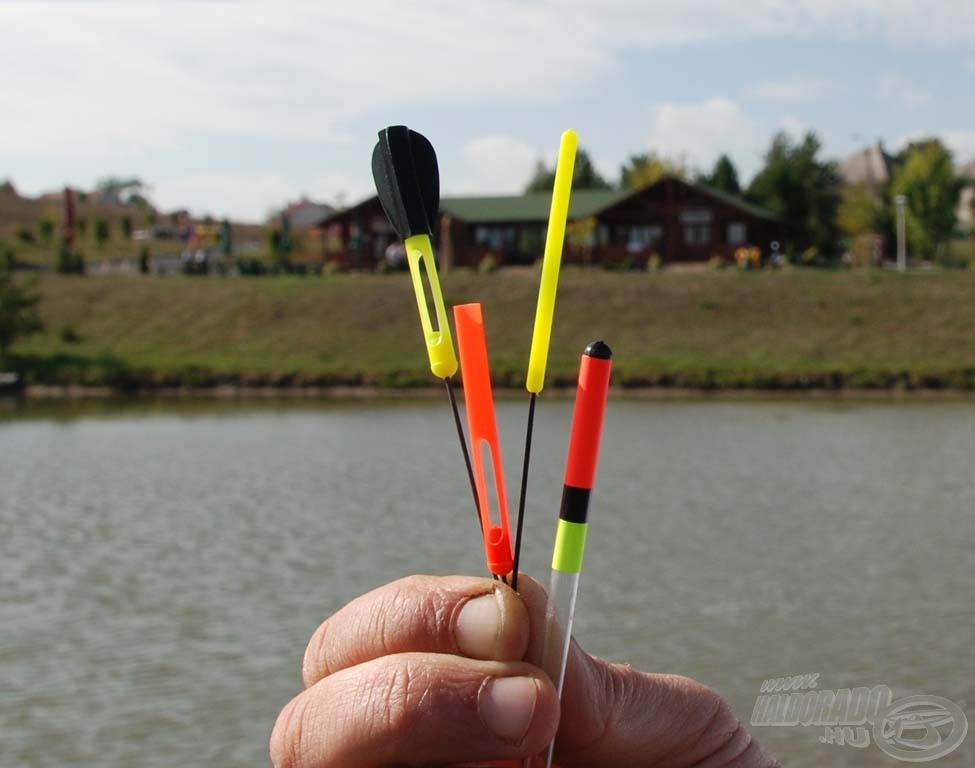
407, 177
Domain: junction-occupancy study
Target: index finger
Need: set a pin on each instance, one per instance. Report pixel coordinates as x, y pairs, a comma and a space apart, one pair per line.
460, 615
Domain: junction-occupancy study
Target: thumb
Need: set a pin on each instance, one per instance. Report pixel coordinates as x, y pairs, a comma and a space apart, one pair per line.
614, 716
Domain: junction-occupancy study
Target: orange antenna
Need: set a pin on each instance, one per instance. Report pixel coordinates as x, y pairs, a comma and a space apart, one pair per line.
483, 428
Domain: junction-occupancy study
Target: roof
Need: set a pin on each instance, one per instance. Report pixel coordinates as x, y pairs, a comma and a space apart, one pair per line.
735, 202
307, 213
535, 206
870, 167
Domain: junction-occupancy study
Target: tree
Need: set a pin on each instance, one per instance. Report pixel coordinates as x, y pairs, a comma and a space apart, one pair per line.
927, 178
116, 191
18, 313
723, 177
803, 191
859, 213
102, 231
648, 168
46, 229
584, 175
70, 261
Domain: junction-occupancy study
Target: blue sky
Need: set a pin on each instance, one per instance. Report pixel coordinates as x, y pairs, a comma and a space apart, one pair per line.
236, 107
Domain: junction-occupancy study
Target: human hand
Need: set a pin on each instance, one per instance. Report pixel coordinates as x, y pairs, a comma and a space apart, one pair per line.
432, 671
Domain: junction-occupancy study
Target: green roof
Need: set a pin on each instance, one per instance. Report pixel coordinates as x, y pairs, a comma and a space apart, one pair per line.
584, 202
738, 202
534, 206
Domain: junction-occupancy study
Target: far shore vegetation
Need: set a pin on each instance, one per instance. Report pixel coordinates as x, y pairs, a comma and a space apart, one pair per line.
825, 316
785, 329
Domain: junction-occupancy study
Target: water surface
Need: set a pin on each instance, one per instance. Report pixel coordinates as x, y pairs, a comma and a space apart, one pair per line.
162, 569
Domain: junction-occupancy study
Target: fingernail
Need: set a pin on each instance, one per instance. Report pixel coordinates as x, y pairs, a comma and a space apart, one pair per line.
507, 705
478, 627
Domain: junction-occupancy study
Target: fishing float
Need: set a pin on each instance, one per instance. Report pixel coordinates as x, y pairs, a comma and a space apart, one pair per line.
483, 429
544, 312
570, 535
407, 178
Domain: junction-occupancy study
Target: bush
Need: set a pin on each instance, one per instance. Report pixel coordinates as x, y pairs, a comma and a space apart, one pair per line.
488, 264
70, 262
655, 263
69, 335
251, 267
25, 235
18, 310
102, 231
45, 228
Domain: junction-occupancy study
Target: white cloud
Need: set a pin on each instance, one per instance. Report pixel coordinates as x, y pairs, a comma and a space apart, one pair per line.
339, 189
962, 145
794, 126
702, 130
140, 72
245, 196
98, 78
496, 164
902, 91
252, 197
797, 90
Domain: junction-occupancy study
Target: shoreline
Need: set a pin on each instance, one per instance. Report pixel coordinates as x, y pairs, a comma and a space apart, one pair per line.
77, 392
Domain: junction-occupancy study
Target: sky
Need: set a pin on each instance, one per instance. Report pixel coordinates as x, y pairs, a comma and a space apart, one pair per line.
234, 108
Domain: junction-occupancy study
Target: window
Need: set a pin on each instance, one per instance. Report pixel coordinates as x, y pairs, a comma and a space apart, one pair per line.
696, 223
643, 237
737, 233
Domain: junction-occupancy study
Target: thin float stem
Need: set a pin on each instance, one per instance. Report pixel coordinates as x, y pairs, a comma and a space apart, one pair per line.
524, 487
448, 383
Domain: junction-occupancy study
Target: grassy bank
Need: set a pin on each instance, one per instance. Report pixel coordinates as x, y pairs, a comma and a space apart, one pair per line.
792, 329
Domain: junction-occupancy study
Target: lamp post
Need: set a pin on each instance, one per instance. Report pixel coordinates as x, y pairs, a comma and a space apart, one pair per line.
901, 202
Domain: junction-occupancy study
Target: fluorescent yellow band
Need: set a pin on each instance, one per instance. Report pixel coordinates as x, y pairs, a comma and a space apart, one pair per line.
570, 544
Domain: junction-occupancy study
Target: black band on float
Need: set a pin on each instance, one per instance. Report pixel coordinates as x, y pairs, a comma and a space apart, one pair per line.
575, 504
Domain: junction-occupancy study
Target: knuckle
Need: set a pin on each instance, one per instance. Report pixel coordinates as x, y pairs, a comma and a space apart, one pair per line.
314, 664
718, 734
289, 734
418, 608
705, 711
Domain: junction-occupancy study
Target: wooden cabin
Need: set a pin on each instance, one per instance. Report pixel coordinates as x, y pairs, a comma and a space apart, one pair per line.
674, 220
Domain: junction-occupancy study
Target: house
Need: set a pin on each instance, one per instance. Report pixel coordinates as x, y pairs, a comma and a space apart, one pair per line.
871, 168
674, 219
306, 214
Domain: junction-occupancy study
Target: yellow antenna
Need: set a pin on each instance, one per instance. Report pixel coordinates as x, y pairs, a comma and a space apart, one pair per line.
549, 284
545, 309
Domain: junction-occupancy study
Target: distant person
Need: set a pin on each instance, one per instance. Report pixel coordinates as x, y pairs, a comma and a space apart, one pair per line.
432, 671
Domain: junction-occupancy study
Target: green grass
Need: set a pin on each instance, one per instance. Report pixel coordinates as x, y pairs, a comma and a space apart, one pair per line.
792, 329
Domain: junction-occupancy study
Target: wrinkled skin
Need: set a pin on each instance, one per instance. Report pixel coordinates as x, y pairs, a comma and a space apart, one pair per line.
422, 672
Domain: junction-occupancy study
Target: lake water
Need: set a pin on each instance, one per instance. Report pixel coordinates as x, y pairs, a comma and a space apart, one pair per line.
162, 568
